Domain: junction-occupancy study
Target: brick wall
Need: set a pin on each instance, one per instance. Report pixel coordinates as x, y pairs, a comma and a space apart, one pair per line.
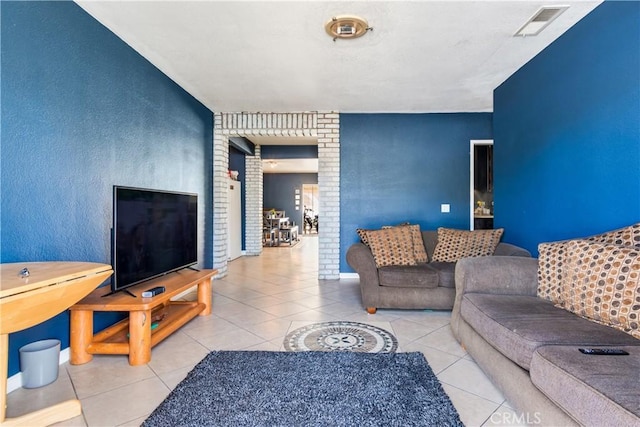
325, 126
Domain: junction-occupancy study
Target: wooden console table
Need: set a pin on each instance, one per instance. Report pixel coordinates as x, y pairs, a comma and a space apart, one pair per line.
26, 300
134, 336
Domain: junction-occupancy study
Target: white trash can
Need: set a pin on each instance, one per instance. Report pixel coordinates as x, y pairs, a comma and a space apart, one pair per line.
39, 363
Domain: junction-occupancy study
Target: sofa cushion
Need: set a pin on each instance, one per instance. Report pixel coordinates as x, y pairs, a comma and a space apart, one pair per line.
456, 244
417, 276
602, 283
516, 325
604, 390
551, 258
391, 246
446, 273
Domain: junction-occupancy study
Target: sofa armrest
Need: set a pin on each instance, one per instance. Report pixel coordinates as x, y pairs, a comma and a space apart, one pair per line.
360, 258
500, 275
507, 249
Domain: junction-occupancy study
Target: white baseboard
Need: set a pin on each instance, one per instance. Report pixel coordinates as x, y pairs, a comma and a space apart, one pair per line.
349, 276
15, 382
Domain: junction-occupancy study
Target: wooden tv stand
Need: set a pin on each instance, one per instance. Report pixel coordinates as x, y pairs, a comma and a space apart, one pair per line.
134, 336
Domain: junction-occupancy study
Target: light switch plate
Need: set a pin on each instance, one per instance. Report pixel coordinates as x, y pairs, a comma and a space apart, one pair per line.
445, 208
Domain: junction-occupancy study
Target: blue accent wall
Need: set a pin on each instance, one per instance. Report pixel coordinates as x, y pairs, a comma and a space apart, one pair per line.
401, 167
279, 188
567, 133
82, 111
279, 193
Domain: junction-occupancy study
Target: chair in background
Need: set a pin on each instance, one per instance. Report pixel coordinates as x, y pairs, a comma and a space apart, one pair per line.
270, 230
289, 232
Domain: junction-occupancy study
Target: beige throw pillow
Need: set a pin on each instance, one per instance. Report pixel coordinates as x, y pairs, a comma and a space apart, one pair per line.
551, 258
602, 283
391, 246
456, 244
627, 236
362, 233
419, 252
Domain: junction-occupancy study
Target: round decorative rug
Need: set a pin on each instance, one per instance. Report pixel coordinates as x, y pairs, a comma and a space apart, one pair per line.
341, 336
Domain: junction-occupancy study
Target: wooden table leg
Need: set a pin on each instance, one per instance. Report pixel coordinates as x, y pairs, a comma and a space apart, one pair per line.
204, 296
139, 337
81, 336
4, 373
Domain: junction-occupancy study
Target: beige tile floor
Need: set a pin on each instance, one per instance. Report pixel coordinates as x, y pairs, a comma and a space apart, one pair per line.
254, 307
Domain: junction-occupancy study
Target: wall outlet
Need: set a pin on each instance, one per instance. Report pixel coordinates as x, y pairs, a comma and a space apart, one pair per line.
445, 208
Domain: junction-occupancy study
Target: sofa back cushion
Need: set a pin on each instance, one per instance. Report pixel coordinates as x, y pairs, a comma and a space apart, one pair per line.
552, 255
602, 283
430, 240
456, 244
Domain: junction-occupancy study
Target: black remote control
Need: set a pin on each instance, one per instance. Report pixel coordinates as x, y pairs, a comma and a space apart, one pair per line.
604, 351
153, 292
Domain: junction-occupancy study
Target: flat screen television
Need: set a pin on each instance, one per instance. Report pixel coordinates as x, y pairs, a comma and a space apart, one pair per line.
154, 233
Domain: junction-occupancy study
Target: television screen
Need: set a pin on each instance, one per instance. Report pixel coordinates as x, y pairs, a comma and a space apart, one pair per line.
154, 233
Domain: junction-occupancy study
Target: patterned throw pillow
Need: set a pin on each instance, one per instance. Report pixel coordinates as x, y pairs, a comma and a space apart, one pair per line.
391, 246
602, 283
419, 252
362, 233
551, 258
456, 244
627, 236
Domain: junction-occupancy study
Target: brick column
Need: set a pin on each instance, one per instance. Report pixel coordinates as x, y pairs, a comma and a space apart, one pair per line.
253, 203
329, 187
220, 196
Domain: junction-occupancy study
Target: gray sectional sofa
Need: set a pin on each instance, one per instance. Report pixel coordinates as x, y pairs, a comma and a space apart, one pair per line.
423, 286
529, 348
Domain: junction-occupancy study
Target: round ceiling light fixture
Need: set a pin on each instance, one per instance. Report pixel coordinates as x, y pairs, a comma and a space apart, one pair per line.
346, 27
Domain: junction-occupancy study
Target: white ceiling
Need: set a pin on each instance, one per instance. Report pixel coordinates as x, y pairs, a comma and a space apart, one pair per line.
422, 56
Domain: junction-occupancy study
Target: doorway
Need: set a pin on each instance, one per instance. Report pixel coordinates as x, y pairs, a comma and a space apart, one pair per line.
310, 202
325, 126
481, 206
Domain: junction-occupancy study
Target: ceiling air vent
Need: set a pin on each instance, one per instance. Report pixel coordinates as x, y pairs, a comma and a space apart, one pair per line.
543, 17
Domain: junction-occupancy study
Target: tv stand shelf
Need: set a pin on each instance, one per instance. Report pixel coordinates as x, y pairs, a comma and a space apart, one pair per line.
135, 336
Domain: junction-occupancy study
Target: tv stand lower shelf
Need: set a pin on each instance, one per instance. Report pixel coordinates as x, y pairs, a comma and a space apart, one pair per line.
150, 321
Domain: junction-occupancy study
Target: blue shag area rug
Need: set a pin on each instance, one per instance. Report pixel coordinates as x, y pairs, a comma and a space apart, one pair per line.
261, 388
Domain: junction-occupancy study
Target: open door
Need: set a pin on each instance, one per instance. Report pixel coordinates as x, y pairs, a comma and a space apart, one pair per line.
481, 184
310, 194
